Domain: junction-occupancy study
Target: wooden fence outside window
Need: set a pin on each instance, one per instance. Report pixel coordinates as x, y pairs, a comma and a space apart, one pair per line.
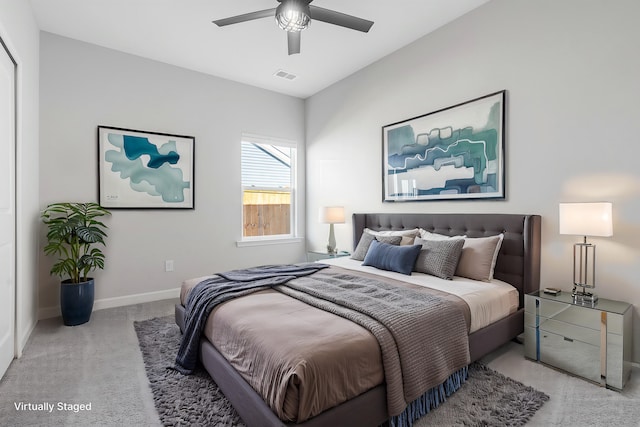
266, 213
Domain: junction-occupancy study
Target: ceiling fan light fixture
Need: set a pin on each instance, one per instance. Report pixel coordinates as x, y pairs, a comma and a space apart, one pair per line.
293, 15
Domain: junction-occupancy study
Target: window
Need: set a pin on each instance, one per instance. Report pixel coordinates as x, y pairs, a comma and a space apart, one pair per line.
268, 185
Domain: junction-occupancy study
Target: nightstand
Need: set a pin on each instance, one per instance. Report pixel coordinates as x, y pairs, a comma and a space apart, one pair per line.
589, 341
317, 256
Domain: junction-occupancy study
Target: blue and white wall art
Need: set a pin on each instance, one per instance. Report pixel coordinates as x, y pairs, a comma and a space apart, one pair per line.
453, 153
145, 169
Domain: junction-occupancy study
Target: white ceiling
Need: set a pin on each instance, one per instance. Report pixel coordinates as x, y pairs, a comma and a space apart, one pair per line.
180, 32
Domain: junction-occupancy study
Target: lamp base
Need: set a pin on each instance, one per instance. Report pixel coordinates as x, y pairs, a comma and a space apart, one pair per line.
583, 297
331, 246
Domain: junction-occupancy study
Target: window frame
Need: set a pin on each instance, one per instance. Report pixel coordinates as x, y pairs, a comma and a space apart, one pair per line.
293, 236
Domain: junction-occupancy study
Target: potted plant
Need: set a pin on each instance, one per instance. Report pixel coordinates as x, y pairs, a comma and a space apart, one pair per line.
74, 235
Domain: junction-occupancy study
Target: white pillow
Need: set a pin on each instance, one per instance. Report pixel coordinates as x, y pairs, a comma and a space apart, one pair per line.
478, 258
407, 235
427, 235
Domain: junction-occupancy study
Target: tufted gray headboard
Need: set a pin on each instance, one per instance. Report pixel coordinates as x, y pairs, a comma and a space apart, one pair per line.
518, 261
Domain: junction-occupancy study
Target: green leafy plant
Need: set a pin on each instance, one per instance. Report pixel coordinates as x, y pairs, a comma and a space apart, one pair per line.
74, 234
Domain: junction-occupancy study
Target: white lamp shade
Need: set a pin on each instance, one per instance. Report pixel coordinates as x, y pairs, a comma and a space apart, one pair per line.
586, 219
332, 215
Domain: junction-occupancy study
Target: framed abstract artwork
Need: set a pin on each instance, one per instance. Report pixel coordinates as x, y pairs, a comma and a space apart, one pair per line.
145, 170
450, 154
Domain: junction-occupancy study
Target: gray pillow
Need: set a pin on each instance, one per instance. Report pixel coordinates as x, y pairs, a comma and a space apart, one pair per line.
365, 241
407, 235
439, 257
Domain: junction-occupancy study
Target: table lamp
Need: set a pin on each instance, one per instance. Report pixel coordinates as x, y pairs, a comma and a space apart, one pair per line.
332, 215
585, 219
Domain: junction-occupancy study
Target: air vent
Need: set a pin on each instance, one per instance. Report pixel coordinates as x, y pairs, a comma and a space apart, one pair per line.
285, 75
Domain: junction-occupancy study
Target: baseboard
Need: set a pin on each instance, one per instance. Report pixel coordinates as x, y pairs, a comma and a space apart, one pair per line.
101, 304
22, 341
48, 312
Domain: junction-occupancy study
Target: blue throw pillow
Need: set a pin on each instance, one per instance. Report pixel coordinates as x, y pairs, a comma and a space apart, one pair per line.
391, 257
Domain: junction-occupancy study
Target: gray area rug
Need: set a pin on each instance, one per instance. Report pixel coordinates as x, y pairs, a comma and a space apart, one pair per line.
488, 398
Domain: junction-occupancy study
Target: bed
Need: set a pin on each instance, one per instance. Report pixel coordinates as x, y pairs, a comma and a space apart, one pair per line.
517, 263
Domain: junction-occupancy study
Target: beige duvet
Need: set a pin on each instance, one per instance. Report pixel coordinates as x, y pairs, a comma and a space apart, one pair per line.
300, 359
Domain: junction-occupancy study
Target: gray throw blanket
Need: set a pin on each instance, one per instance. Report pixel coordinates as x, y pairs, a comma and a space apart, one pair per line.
211, 292
423, 337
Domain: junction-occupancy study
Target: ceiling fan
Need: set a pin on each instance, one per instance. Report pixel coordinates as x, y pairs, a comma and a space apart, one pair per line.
293, 16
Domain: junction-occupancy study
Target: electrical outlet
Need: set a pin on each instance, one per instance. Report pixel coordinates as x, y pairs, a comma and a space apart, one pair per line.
168, 265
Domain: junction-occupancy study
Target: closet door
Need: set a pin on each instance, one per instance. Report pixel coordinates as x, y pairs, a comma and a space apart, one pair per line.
7, 207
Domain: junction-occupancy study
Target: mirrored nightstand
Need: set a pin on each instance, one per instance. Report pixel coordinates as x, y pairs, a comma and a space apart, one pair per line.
589, 341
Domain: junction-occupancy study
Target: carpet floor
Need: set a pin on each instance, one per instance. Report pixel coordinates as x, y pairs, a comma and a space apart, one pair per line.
488, 398
100, 363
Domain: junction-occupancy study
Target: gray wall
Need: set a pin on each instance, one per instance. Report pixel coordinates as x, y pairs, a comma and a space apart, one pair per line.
20, 33
83, 86
571, 70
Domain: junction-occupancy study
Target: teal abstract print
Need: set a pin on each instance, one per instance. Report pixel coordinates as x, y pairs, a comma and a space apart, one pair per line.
453, 153
145, 169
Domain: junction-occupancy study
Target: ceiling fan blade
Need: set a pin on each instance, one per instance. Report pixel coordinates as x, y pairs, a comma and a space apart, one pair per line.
293, 40
245, 17
341, 19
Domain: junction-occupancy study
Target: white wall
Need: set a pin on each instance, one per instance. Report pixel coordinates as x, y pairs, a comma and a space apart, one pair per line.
83, 86
20, 33
571, 70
